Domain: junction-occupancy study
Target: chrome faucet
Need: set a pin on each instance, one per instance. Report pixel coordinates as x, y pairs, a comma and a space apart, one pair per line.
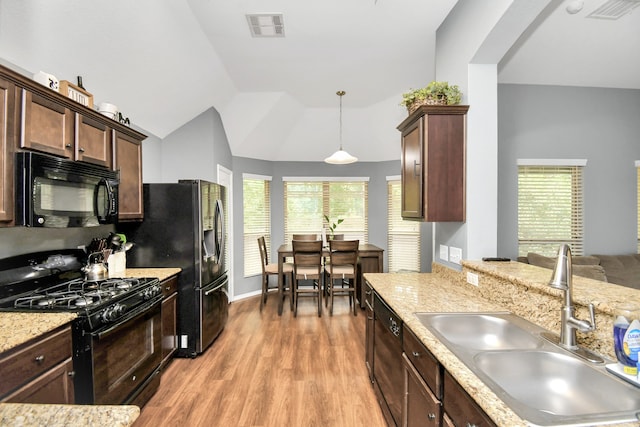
562, 279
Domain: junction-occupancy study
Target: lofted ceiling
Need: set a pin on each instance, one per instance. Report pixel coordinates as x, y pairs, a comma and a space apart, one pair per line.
163, 62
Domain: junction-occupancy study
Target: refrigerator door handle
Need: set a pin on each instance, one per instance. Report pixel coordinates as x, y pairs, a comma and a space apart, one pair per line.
219, 231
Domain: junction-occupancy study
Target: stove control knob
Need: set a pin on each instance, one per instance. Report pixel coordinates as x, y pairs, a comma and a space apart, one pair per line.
112, 313
151, 292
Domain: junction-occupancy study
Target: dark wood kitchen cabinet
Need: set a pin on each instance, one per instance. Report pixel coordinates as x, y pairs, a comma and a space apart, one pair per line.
460, 408
433, 164
7, 120
46, 125
370, 260
169, 319
369, 327
422, 384
40, 371
128, 160
92, 141
432, 396
59, 130
34, 117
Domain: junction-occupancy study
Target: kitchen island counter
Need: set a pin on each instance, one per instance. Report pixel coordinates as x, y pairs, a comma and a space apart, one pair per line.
24, 414
443, 291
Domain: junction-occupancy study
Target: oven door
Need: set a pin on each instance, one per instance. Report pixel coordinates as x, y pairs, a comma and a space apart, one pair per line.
214, 311
126, 354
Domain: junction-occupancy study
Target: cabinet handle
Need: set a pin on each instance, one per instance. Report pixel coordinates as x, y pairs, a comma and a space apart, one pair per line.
367, 292
71, 374
81, 150
431, 416
39, 359
415, 168
415, 354
471, 425
167, 288
67, 146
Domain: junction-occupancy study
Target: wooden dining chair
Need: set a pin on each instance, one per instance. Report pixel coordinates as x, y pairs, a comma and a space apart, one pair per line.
307, 267
271, 269
305, 237
342, 268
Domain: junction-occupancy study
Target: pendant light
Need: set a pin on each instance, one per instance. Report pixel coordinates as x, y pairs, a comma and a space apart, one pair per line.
341, 157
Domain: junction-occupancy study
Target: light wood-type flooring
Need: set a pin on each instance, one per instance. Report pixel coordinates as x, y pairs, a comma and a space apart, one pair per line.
266, 370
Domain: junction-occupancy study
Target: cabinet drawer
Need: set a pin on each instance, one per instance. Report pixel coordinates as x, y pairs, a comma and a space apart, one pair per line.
421, 407
426, 364
460, 407
53, 387
37, 357
169, 286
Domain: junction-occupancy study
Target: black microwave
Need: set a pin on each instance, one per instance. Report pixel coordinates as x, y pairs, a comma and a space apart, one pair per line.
59, 193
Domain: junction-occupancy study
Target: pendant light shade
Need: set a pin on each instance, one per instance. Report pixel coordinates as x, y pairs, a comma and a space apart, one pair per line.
341, 157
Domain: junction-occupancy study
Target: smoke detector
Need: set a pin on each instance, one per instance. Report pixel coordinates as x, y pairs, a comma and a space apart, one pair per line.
614, 9
266, 25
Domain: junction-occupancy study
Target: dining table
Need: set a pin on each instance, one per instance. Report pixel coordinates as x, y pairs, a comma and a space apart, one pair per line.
370, 260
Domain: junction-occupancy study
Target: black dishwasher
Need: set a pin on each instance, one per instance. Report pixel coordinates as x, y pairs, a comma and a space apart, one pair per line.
387, 366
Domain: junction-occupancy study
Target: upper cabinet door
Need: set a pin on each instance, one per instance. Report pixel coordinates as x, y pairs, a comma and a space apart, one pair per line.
128, 160
412, 165
93, 141
7, 108
46, 126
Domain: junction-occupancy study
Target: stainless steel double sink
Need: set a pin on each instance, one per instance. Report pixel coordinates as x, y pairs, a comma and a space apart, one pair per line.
541, 382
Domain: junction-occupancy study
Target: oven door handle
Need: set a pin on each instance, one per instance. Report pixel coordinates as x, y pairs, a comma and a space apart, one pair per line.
138, 312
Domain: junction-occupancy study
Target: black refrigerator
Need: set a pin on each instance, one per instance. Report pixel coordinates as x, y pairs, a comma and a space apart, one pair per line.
184, 226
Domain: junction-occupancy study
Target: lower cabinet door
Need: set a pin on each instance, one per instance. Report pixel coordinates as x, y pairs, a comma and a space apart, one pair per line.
54, 386
421, 407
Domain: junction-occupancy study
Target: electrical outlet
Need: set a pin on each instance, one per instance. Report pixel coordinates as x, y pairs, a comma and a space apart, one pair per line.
472, 278
455, 255
444, 252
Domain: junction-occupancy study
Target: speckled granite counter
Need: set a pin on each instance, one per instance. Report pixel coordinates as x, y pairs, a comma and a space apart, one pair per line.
18, 328
446, 291
25, 415
160, 273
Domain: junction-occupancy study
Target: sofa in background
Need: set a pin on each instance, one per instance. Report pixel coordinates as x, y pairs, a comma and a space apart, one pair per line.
619, 269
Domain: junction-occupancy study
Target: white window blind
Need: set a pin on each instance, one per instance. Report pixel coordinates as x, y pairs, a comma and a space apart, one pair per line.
638, 203
550, 209
257, 221
306, 203
403, 237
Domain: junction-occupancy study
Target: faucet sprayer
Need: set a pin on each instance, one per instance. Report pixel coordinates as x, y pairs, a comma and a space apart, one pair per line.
562, 278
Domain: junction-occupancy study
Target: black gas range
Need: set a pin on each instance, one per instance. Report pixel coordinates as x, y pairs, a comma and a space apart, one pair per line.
117, 332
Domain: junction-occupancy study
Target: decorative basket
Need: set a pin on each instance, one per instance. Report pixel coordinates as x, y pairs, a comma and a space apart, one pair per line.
428, 101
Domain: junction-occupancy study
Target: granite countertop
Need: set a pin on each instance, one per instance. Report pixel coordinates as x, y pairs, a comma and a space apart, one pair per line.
31, 415
160, 273
407, 293
19, 328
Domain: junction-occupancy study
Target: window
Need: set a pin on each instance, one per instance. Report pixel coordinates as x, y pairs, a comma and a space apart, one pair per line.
307, 200
638, 200
257, 220
550, 208
403, 237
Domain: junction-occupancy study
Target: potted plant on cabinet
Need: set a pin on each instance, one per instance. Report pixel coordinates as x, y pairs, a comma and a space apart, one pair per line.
435, 93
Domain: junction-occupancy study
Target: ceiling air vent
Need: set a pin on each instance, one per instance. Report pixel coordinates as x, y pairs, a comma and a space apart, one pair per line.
266, 25
614, 9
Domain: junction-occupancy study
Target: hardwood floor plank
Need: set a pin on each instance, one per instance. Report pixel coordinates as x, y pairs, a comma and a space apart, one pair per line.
270, 370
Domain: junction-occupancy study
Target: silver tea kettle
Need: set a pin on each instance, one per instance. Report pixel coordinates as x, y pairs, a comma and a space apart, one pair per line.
95, 268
